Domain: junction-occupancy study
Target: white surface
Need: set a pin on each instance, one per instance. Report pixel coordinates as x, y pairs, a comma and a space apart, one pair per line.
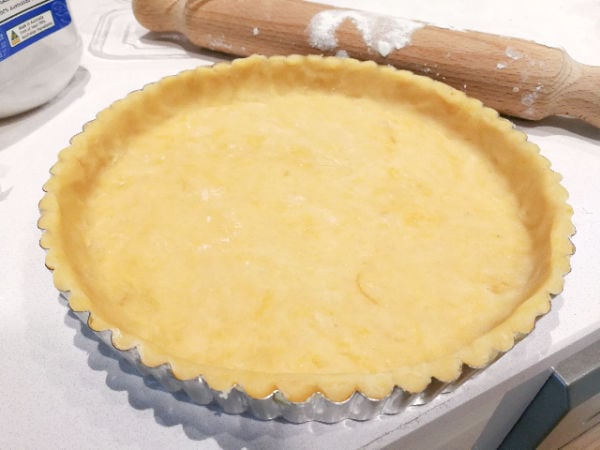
61, 389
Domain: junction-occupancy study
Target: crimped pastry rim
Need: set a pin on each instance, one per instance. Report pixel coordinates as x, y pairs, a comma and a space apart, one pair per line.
478, 354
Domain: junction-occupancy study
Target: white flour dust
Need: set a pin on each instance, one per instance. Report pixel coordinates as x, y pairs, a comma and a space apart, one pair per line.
513, 53
530, 98
380, 33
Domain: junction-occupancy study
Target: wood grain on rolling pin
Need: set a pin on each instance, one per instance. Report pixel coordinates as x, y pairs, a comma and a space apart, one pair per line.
517, 77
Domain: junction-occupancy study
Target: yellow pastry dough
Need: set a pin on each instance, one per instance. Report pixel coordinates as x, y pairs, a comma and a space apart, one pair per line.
306, 224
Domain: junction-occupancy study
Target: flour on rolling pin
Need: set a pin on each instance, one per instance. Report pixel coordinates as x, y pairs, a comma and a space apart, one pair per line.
517, 77
385, 34
380, 33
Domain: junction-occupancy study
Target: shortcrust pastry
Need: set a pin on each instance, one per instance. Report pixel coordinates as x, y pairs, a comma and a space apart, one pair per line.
306, 224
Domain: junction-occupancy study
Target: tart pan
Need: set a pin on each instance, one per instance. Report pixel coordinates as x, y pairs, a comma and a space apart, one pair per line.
108, 285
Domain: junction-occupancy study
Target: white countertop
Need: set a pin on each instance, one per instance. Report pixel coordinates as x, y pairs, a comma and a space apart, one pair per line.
60, 388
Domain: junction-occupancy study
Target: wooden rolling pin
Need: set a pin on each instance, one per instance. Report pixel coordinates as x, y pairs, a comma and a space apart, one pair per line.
516, 77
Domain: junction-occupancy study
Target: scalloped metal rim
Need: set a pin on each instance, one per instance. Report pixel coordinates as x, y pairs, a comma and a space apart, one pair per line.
276, 406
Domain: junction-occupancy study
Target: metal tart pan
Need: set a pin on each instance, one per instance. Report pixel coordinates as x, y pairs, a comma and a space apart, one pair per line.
276, 405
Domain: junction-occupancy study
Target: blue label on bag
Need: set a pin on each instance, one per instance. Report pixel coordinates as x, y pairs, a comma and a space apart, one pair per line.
24, 22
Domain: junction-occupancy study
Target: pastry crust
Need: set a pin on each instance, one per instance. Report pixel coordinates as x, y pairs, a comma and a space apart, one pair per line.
306, 224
